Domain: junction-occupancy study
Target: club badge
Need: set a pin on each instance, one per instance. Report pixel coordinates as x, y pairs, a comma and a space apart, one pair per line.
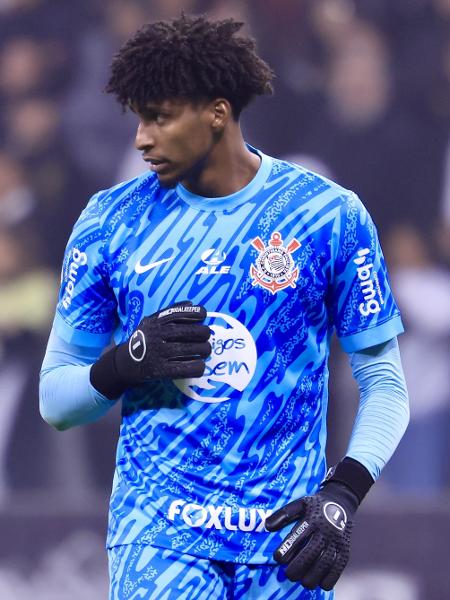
274, 269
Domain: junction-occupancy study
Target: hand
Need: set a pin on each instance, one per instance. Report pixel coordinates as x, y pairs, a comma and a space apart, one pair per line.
170, 344
317, 548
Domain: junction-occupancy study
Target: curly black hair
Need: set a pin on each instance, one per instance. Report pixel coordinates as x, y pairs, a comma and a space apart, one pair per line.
189, 58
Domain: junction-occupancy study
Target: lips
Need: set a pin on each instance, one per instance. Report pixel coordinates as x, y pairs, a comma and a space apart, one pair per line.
156, 164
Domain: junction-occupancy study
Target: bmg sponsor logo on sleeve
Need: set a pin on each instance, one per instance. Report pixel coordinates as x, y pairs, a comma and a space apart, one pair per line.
369, 284
231, 365
77, 259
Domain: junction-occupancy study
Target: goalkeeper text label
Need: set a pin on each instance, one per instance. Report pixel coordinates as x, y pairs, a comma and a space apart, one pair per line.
291, 539
219, 517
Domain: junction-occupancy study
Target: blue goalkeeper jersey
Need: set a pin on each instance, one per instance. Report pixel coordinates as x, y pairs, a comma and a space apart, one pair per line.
279, 265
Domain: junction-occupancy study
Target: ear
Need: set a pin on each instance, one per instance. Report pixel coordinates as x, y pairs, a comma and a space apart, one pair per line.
222, 113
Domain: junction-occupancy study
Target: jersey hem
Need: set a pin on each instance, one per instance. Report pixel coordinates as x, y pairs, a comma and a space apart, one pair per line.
257, 559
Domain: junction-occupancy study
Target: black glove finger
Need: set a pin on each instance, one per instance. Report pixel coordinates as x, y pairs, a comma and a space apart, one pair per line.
185, 369
180, 352
288, 514
181, 313
319, 568
340, 561
183, 332
305, 557
293, 543
174, 305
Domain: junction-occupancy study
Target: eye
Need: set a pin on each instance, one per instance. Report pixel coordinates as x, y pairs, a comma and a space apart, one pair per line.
154, 116
160, 118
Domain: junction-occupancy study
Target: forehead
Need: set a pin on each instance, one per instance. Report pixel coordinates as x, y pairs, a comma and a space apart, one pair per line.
170, 105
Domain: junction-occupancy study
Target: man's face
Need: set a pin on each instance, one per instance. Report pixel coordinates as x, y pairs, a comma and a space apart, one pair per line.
175, 137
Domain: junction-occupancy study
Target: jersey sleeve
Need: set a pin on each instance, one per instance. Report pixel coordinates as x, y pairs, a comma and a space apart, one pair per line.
363, 308
86, 313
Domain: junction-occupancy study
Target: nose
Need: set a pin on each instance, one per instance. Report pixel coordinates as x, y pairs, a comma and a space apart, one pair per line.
144, 138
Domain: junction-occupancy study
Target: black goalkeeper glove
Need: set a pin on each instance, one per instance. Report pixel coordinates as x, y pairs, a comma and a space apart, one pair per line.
318, 546
170, 344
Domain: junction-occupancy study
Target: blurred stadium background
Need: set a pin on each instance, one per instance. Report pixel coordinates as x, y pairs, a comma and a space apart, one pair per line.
363, 95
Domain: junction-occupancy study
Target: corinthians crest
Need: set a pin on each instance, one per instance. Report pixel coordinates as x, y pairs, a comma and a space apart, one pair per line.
274, 269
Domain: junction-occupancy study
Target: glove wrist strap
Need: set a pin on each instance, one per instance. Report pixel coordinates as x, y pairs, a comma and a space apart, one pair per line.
105, 378
353, 474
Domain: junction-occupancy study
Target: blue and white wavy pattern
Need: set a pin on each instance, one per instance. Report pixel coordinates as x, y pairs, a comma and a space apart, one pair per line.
265, 445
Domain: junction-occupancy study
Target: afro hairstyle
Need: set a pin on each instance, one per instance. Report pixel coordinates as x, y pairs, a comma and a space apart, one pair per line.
189, 58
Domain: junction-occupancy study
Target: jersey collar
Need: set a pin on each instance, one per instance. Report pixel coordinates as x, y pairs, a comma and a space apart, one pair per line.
222, 203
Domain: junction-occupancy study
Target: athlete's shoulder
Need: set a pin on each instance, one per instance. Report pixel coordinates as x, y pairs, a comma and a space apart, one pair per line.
112, 198
106, 209
311, 176
303, 184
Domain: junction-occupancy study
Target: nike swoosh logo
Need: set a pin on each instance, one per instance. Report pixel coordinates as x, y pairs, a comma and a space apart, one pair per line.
139, 268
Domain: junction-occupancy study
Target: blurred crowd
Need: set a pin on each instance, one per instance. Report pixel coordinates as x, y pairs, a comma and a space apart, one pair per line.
362, 95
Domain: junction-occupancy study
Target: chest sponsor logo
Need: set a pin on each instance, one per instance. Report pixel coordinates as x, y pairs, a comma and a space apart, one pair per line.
212, 263
140, 268
219, 517
274, 269
232, 362
77, 260
369, 284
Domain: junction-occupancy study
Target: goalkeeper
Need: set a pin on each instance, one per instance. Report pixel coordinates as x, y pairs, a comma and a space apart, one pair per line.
220, 275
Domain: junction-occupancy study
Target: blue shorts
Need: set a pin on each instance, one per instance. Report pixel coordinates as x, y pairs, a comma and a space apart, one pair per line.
139, 572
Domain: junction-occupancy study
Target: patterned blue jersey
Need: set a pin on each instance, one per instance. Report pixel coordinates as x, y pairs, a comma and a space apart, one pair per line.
279, 265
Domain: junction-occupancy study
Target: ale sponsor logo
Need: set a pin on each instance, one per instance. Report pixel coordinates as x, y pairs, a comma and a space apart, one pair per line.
213, 260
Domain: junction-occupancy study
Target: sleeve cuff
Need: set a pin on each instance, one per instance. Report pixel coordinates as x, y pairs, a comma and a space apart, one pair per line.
71, 335
373, 336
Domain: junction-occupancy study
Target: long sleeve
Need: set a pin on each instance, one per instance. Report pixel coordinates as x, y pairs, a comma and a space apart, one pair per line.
66, 396
383, 413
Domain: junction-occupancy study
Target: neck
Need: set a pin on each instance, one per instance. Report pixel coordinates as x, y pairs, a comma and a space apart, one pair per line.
228, 167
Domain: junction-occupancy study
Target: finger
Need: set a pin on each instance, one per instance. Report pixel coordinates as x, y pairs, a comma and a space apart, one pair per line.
319, 568
330, 579
297, 539
185, 369
179, 352
286, 515
305, 557
180, 332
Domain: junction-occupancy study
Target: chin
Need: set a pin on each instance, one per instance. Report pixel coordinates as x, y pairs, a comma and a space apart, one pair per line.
168, 182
